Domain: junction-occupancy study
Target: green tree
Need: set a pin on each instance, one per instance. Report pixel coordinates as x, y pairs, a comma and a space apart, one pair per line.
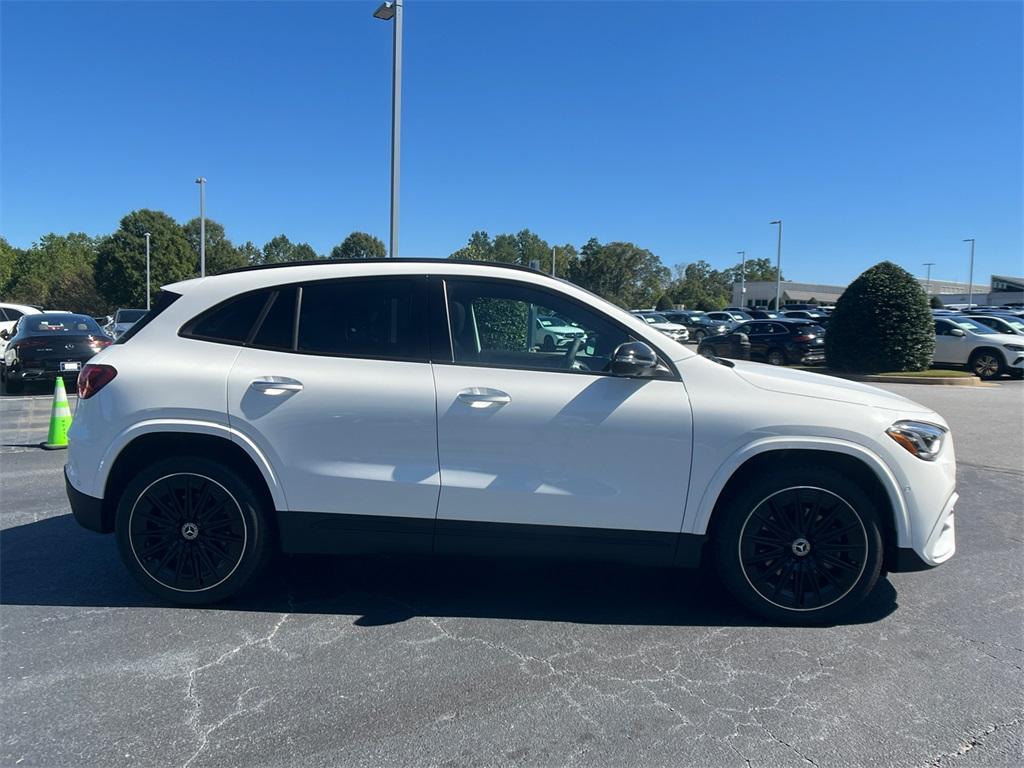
621, 272
523, 248
698, 286
882, 322
121, 258
359, 245
281, 250
935, 302
665, 302
57, 272
221, 254
756, 269
8, 258
250, 252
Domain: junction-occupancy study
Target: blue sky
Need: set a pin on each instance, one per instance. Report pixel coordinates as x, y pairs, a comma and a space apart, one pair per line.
874, 130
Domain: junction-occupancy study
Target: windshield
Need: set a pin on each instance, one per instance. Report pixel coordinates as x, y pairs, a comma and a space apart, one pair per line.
974, 327
129, 315
39, 324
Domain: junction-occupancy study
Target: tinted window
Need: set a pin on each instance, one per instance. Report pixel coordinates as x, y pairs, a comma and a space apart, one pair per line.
278, 325
362, 318
13, 314
231, 321
62, 323
747, 328
490, 325
129, 315
3, 315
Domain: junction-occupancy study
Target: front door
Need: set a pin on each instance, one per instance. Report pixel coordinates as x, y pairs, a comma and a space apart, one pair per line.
950, 348
544, 451
343, 406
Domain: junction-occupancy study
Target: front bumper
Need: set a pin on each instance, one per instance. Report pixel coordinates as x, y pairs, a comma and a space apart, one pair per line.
87, 510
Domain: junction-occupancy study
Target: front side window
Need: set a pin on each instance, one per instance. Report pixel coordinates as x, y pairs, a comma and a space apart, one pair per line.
231, 321
494, 324
362, 318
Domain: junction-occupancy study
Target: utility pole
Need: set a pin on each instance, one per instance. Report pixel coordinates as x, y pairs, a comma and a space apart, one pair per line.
201, 181
928, 279
970, 275
743, 278
552, 261
778, 268
147, 271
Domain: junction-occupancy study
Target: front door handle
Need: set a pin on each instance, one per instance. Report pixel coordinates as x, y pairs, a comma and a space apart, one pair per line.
484, 397
276, 385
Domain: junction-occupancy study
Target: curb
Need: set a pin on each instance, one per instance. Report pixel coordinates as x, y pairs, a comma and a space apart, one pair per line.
949, 381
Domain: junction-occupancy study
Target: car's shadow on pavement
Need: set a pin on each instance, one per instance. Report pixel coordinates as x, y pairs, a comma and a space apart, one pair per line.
54, 562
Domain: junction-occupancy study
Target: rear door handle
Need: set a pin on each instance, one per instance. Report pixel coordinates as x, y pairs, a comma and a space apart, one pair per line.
483, 397
276, 385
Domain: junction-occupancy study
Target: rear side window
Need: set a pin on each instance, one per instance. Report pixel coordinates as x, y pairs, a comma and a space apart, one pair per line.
232, 321
278, 326
164, 299
363, 318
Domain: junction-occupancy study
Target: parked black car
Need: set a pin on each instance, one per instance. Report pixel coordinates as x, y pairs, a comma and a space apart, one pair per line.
779, 342
806, 314
698, 324
49, 345
764, 314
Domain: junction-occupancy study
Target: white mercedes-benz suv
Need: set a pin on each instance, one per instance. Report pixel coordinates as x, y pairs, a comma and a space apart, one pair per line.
408, 406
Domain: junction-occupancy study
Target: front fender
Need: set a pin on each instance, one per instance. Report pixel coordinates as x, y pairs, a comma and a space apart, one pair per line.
699, 510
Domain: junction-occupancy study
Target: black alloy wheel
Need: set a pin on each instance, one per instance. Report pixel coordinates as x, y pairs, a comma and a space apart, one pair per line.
187, 532
776, 357
191, 530
803, 548
798, 545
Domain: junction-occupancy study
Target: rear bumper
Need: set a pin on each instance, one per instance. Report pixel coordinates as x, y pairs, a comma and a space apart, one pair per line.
87, 510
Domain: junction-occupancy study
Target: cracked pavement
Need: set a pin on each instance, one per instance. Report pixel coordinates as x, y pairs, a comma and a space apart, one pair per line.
378, 661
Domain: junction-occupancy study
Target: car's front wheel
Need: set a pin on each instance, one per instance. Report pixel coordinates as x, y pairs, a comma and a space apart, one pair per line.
986, 364
192, 531
776, 357
800, 546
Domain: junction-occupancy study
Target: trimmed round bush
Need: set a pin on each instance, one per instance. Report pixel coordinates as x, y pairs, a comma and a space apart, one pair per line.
882, 322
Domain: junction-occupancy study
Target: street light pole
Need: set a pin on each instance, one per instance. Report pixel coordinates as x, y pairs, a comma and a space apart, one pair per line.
389, 11
778, 268
201, 181
147, 271
743, 277
970, 275
552, 261
928, 278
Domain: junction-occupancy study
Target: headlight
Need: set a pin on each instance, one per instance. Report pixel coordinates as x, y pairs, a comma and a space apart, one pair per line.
1015, 347
922, 439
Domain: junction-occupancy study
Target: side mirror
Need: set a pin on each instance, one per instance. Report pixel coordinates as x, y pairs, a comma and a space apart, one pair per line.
4, 334
634, 358
957, 332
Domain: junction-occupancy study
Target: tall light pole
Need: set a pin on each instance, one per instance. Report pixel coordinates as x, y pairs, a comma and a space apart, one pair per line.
970, 274
147, 271
778, 268
201, 181
392, 11
928, 279
552, 261
743, 277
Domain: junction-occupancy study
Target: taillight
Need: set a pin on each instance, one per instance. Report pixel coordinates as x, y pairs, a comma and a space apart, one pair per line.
804, 337
32, 343
100, 343
93, 378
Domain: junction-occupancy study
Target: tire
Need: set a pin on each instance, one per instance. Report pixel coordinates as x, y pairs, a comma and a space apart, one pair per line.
698, 336
798, 567
162, 517
548, 345
1016, 373
986, 364
14, 385
776, 357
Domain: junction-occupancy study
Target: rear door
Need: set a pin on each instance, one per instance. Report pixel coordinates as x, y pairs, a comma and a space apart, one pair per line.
335, 387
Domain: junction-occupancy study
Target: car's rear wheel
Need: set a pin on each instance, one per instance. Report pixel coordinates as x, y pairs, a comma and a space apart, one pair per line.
986, 364
192, 531
698, 336
776, 357
800, 546
14, 384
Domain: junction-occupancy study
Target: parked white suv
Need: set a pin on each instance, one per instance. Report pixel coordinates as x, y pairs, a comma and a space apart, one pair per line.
402, 406
982, 350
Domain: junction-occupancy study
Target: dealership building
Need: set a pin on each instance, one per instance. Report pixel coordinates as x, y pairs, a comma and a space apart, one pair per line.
760, 293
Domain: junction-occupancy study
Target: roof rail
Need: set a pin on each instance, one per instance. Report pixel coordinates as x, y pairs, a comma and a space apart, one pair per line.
418, 260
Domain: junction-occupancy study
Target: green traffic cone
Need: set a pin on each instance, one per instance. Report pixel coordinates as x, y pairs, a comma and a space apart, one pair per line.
60, 419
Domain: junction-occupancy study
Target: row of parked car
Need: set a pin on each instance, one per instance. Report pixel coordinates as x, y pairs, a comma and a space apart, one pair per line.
984, 340
38, 345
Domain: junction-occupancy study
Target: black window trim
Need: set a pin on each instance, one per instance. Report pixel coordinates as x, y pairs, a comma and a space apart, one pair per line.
662, 358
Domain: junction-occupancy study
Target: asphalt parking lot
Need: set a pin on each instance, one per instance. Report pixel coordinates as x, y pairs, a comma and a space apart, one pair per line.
377, 661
